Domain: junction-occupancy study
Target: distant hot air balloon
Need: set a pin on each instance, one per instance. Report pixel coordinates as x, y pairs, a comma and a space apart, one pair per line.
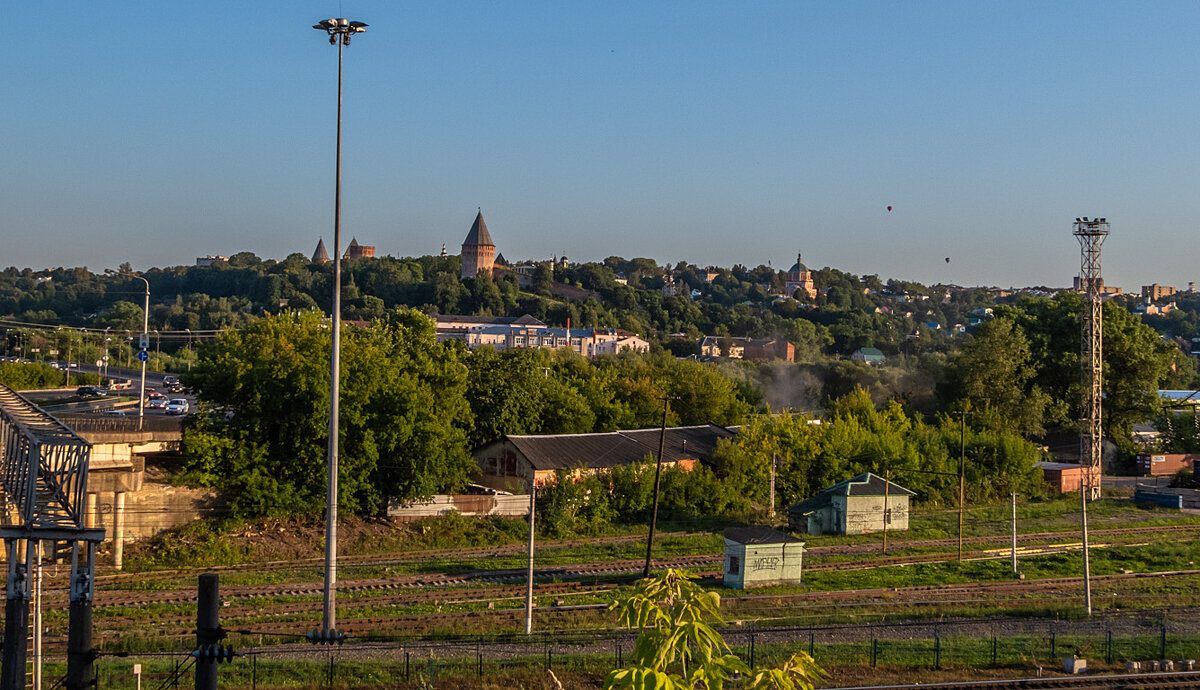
889, 209
947, 259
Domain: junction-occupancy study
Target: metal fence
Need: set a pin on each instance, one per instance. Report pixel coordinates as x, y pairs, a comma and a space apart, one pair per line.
1024, 645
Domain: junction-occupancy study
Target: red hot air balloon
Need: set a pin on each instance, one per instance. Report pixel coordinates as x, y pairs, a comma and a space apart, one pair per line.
889, 209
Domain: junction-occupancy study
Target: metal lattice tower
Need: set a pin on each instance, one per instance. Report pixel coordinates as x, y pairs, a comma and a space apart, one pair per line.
43, 474
1091, 234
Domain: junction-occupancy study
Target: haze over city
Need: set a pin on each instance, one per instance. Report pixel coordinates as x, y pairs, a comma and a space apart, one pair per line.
713, 133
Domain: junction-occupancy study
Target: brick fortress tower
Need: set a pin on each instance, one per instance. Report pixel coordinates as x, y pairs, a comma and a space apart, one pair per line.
478, 250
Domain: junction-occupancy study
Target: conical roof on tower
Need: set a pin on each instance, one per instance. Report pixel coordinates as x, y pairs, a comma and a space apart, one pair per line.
479, 233
320, 256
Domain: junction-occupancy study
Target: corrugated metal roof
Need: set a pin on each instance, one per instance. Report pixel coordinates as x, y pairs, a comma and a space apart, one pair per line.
758, 535
565, 451
866, 484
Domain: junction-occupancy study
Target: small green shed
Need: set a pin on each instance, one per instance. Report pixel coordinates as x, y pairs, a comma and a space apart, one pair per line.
761, 556
860, 505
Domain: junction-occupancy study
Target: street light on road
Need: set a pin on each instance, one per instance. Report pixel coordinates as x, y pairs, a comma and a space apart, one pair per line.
142, 342
340, 31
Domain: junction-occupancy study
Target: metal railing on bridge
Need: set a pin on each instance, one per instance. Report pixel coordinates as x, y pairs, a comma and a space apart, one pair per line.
43, 471
111, 423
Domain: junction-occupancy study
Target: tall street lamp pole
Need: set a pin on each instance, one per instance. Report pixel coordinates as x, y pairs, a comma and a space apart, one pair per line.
143, 343
340, 31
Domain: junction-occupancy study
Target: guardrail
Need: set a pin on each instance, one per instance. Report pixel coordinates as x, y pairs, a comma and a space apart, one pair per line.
120, 424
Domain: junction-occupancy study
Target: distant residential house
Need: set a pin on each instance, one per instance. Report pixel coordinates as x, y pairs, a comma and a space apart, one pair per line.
588, 342
869, 355
854, 506
513, 461
210, 259
1155, 292
670, 288
1081, 285
450, 327
761, 556
754, 349
624, 341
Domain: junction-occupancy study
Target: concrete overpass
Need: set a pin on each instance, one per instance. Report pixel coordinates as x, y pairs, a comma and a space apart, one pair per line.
117, 466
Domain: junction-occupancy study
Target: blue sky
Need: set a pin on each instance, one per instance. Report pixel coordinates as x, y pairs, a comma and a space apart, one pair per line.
717, 133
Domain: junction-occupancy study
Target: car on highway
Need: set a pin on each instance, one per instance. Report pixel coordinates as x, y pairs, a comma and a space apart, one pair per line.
156, 401
90, 392
177, 406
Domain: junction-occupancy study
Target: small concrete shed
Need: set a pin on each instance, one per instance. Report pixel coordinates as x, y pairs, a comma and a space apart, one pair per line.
761, 556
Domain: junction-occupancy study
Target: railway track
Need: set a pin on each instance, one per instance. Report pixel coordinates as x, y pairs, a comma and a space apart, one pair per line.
707, 563
563, 615
469, 553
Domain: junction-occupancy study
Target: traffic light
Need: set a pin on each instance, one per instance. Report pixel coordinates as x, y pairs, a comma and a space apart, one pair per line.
333, 636
215, 653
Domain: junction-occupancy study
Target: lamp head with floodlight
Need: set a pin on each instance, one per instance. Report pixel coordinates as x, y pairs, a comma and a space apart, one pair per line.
340, 27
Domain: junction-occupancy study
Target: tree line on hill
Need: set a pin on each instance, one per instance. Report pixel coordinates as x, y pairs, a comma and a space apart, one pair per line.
412, 409
1016, 370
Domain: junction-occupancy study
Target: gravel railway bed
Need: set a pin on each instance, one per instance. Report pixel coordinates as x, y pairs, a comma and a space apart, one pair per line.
593, 571
735, 608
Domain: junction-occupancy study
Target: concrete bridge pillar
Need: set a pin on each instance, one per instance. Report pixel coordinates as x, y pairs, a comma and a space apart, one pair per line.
118, 529
90, 516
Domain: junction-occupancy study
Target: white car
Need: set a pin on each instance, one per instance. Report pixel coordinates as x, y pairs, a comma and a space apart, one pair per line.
177, 406
156, 402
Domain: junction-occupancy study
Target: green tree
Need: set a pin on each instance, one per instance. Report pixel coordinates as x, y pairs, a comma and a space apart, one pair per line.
264, 397
993, 373
679, 649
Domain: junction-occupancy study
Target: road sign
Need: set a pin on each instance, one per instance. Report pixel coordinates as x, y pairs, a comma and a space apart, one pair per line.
99, 363
144, 341
143, 356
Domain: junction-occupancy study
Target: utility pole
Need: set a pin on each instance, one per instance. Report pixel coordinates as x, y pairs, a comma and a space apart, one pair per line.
662, 441
529, 573
1014, 533
774, 461
208, 630
887, 485
37, 614
962, 473
1090, 233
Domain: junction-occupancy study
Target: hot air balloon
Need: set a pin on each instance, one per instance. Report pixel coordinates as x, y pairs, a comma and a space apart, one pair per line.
947, 259
889, 209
